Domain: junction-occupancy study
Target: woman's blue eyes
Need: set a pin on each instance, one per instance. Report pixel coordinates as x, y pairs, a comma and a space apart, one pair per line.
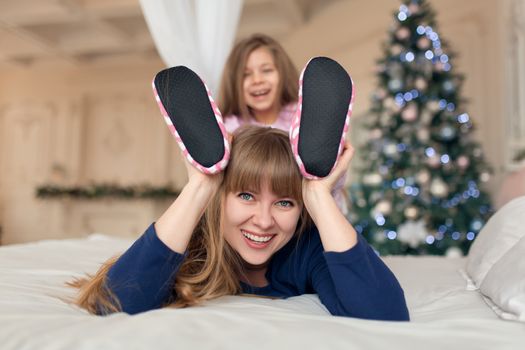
283, 203
245, 196
286, 204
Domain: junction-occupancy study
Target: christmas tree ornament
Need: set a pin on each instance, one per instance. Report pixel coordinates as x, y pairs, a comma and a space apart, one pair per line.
383, 207
484, 176
420, 84
447, 133
434, 161
409, 113
413, 8
463, 162
395, 85
476, 225
412, 233
423, 43
433, 106
372, 179
423, 176
396, 50
454, 253
403, 33
389, 103
448, 86
440, 66
390, 149
438, 188
411, 212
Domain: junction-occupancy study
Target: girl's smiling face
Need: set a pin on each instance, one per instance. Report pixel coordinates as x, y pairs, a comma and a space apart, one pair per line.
259, 223
261, 81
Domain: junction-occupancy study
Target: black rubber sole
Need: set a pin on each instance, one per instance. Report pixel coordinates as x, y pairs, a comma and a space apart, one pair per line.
327, 91
184, 97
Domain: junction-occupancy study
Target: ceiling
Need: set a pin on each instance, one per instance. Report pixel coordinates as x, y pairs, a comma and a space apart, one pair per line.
86, 31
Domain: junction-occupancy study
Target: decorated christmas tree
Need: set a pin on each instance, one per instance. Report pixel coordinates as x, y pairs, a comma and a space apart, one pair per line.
419, 190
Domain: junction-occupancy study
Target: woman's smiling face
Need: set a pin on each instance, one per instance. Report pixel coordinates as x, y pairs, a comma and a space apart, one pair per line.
259, 223
261, 81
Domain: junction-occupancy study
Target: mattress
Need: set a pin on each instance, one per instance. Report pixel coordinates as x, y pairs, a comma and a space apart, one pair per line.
36, 312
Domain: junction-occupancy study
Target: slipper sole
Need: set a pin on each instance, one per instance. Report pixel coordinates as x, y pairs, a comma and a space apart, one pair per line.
193, 118
322, 117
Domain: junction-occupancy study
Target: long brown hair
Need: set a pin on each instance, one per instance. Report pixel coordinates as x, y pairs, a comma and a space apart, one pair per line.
212, 268
231, 97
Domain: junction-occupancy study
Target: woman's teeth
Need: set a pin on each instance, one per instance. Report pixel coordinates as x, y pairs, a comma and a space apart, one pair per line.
257, 239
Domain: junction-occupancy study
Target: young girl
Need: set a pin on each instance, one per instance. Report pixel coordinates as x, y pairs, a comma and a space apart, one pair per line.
259, 87
249, 230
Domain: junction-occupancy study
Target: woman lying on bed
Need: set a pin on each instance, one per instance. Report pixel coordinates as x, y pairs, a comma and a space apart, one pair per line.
248, 230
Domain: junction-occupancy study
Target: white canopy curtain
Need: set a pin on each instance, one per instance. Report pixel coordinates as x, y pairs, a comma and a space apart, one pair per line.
198, 34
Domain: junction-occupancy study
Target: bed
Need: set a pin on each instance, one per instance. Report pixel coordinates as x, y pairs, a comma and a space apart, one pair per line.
474, 302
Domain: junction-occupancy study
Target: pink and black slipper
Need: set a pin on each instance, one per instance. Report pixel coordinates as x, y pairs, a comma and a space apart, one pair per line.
193, 118
322, 118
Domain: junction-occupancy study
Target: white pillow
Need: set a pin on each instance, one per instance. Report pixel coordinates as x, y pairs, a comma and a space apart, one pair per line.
505, 284
504, 229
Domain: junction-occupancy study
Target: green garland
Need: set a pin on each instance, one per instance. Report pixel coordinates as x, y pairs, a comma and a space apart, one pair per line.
520, 155
99, 191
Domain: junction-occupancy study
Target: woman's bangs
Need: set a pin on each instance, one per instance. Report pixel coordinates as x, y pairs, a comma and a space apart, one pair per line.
284, 178
268, 162
246, 178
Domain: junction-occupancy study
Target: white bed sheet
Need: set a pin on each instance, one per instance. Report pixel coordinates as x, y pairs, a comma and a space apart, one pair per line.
34, 315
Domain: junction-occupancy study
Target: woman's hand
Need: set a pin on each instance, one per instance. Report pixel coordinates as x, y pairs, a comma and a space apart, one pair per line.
326, 184
207, 181
175, 227
195, 176
337, 235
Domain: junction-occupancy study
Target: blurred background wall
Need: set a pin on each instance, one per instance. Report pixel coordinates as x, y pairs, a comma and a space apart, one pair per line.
76, 105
